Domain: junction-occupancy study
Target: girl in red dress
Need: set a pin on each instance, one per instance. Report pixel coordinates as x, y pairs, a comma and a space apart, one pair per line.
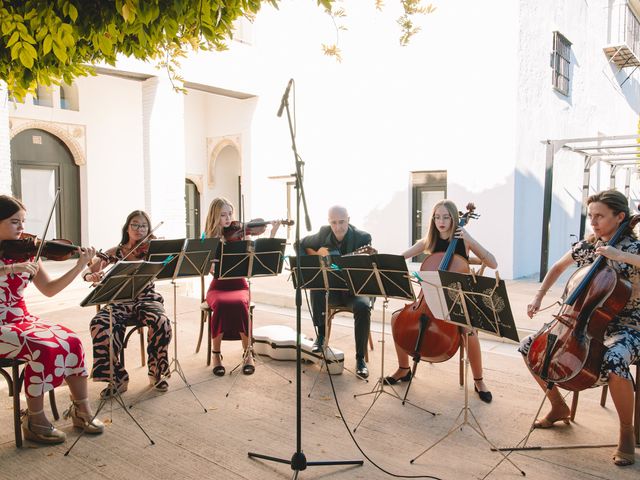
53, 353
228, 299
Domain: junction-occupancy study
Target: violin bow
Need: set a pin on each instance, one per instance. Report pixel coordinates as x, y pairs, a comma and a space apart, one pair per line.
46, 227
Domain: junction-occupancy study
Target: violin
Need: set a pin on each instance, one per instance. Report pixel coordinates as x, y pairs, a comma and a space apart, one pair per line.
238, 230
569, 350
27, 246
141, 250
415, 329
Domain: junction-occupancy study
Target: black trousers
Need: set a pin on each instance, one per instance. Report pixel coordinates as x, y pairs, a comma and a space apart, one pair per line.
361, 315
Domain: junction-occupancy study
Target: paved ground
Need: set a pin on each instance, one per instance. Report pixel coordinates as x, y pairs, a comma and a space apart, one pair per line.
259, 415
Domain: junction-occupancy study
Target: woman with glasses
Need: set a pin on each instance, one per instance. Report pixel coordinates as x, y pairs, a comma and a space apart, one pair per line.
147, 309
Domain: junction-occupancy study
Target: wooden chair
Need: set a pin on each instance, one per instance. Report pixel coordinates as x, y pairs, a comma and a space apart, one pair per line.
603, 400
332, 311
14, 381
205, 317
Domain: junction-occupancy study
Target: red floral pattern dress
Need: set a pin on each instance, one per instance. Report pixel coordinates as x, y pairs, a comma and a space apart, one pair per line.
52, 352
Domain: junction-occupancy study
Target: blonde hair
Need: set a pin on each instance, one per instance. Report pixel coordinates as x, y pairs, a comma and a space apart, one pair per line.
432, 235
212, 227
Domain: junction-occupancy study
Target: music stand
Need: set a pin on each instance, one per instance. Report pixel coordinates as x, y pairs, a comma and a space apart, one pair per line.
262, 257
378, 275
465, 300
319, 273
123, 283
182, 258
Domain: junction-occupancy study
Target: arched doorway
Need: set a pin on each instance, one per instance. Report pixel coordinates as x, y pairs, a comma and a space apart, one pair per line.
41, 163
192, 207
225, 174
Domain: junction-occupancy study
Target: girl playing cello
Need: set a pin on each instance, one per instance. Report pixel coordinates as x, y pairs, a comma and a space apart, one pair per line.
442, 228
607, 211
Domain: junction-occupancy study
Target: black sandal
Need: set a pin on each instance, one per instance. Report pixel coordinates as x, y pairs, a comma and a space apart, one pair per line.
390, 380
219, 370
485, 396
247, 368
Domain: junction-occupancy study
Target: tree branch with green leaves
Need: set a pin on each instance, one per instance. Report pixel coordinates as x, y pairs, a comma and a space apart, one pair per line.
44, 42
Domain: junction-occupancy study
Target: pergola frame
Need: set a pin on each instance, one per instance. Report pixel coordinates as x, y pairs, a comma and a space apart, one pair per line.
620, 152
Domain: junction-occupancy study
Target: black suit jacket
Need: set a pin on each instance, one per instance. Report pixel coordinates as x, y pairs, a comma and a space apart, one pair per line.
353, 240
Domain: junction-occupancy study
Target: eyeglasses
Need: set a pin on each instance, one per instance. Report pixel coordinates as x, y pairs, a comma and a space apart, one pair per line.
139, 226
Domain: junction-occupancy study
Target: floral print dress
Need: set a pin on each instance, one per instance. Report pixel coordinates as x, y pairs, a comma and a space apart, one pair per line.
52, 352
622, 337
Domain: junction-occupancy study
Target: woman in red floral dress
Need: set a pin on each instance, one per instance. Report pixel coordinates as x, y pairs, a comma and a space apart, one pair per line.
53, 353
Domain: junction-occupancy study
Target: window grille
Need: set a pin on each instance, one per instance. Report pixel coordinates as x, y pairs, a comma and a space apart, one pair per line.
560, 61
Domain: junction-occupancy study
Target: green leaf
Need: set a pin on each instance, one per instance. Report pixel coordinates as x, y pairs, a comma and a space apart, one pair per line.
46, 45
106, 46
41, 33
15, 50
29, 48
25, 58
60, 53
73, 12
7, 27
27, 38
14, 38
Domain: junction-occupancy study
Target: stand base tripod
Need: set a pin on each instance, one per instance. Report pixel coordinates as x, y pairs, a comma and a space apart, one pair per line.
465, 413
299, 462
118, 399
380, 387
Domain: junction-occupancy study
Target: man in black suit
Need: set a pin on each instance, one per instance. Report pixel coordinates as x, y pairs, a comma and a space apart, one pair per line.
340, 238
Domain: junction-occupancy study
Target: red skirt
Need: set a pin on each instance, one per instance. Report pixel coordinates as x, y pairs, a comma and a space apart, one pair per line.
229, 302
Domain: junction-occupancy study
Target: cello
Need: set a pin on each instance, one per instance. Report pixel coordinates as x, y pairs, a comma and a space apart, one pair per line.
440, 340
569, 350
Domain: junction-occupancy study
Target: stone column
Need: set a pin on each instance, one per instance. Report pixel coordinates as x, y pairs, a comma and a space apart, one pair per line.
164, 156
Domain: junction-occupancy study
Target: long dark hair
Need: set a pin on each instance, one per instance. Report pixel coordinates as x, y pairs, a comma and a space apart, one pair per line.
125, 227
9, 206
617, 203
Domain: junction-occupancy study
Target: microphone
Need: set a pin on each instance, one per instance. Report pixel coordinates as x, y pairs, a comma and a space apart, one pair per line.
285, 97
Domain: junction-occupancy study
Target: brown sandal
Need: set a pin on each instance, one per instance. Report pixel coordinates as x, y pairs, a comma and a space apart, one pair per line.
623, 459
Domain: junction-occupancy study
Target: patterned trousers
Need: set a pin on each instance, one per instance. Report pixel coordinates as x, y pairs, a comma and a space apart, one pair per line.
147, 310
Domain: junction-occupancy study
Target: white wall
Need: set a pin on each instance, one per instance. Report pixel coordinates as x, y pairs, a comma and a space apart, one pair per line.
596, 106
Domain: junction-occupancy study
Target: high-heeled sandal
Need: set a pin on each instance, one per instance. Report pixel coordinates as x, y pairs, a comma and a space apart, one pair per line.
40, 433
219, 370
83, 420
391, 380
247, 368
547, 422
621, 458
485, 396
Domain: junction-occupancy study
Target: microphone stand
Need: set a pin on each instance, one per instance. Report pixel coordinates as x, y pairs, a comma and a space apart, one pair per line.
298, 461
